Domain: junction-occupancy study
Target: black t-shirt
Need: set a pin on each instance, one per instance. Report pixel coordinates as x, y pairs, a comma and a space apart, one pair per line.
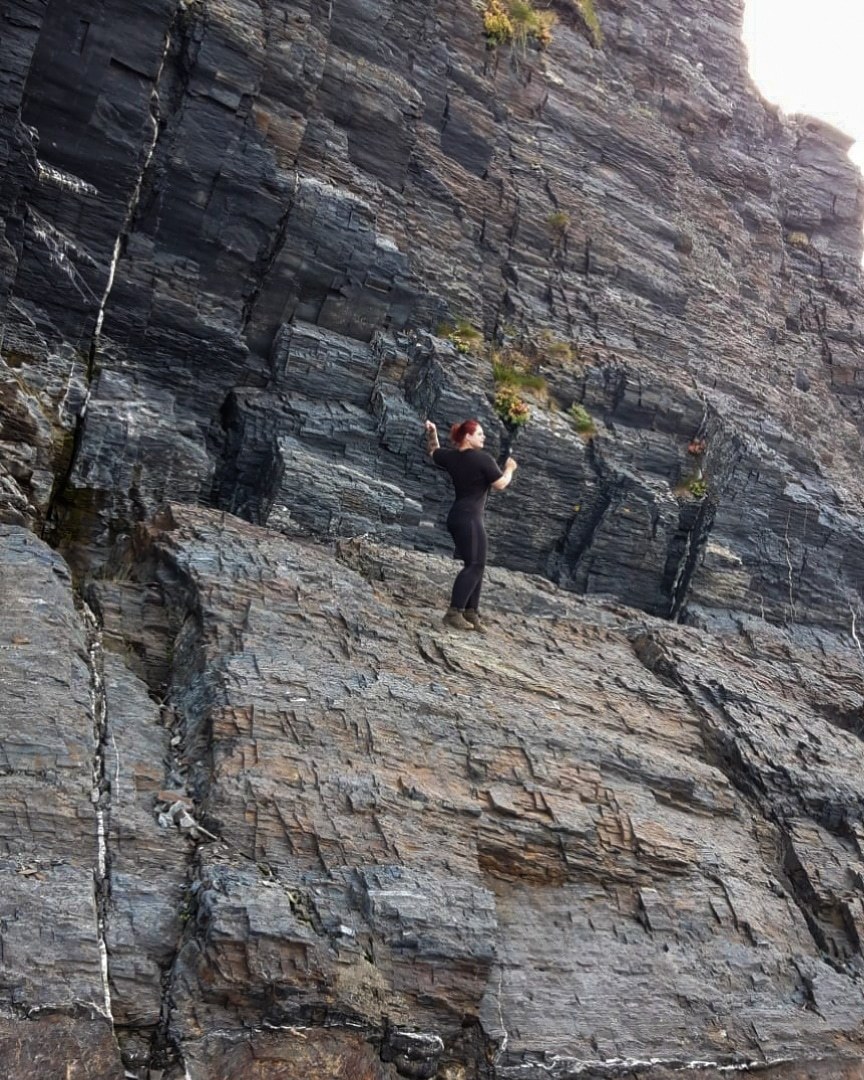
472, 473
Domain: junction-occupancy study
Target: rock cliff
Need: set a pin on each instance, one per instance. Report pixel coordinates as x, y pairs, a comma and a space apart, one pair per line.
261, 815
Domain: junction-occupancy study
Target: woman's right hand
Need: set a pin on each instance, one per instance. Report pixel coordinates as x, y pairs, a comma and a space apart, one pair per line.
432, 443
510, 465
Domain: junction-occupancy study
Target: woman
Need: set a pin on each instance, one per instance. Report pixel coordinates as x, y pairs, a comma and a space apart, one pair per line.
473, 472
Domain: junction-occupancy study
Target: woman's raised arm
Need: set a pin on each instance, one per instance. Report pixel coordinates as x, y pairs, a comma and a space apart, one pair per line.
510, 467
432, 443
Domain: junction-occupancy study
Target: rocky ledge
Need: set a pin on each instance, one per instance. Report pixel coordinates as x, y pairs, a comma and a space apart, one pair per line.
350, 842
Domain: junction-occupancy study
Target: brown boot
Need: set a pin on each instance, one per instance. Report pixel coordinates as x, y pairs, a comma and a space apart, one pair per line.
454, 619
473, 617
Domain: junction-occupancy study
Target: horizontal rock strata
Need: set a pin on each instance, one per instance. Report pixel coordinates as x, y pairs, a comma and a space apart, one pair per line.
262, 816
245, 249
413, 852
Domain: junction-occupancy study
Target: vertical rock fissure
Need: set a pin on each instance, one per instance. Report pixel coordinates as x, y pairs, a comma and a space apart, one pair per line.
165, 1049
583, 525
192, 725
61, 486
135, 197
580, 533
267, 257
269, 253
100, 793
694, 543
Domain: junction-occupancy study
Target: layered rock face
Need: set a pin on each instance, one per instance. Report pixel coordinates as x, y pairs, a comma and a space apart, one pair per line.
239, 230
261, 816
353, 844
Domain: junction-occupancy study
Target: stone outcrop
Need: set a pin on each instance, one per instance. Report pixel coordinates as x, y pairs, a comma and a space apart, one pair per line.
261, 816
402, 851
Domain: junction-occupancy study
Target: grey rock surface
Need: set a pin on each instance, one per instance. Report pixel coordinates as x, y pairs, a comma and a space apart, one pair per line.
415, 852
236, 234
262, 816
420, 830
55, 1002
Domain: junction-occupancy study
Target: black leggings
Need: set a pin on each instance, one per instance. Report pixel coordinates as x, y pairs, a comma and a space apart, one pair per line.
469, 536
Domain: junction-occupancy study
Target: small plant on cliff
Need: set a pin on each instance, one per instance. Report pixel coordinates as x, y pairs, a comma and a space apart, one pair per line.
798, 239
554, 349
497, 24
543, 28
582, 419
559, 350
527, 355
530, 23
558, 224
510, 407
511, 368
694, 485
592, 23
506, 21
697, 447
464, 336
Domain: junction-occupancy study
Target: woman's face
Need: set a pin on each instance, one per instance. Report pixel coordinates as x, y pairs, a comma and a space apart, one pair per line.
476, 440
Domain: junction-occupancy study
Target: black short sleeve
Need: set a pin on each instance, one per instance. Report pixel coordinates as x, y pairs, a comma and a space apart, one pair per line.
490, 468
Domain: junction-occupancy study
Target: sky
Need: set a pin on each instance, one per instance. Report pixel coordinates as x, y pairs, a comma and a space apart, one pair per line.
806, 56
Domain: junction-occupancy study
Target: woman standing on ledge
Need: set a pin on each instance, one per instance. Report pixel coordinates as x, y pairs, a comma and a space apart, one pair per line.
473, 472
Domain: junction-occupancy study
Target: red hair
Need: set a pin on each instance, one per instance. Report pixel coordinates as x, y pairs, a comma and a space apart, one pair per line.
459, 432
